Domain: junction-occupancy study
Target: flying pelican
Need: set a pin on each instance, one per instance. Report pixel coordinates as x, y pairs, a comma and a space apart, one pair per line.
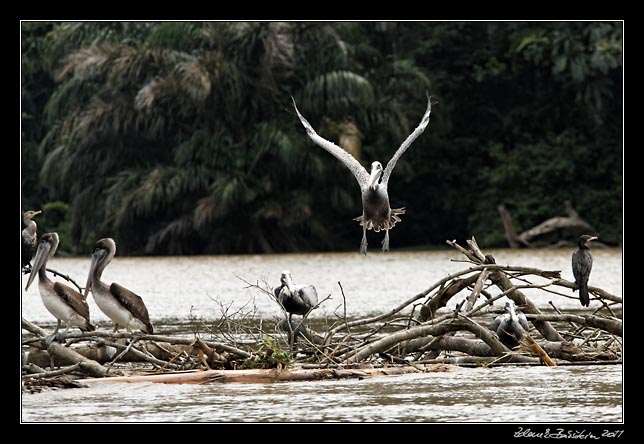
119, 304
29, 239
510, 326
582, 263
295, 299
65, 303
376, 213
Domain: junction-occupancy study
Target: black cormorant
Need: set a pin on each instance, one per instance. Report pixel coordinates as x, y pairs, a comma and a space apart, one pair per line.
582, 263
29, 239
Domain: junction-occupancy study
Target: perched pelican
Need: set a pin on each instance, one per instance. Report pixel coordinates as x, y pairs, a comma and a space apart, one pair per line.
119, 304
65, 303
582, 263
294, 298
29, 239
376, 213
510, 326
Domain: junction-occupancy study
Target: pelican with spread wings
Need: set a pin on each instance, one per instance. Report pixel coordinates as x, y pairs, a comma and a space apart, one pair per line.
376, 213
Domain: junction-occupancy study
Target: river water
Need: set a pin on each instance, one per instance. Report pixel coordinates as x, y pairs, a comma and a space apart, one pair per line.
177, 290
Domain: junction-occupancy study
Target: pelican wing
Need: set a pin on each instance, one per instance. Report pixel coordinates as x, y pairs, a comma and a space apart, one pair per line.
417, 132
132, 302
72, 298
359, 172
523, 321
309, 295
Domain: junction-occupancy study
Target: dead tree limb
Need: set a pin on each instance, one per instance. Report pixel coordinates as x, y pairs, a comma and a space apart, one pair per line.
508, 227
502, 281
595, 290
60, 371
571, 221
67, 278
88, 366
613, 326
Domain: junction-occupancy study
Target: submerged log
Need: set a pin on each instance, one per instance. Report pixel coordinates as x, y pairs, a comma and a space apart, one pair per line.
261, 375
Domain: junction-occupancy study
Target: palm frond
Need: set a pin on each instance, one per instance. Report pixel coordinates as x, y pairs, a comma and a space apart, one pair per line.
336, 92
194, 80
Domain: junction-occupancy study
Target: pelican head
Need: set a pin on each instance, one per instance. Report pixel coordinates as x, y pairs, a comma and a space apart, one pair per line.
511, 310
104, 251
29, 215
287, 279
46, 249
376, 173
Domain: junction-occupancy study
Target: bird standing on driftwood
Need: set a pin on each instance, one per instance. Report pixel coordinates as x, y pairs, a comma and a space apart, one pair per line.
295, 299
65, 303
510, 327
582, 264
121, 305
29, 239
376, 213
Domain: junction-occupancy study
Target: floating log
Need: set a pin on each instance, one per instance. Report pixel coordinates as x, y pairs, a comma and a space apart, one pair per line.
264, 375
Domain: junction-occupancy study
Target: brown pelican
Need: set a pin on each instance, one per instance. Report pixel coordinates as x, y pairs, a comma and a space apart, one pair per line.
582, 263
119, 304
29, 239
376, 213
65, 303
295, 299
510, 326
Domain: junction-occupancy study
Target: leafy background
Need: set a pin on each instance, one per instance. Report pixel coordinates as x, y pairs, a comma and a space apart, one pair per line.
180, 138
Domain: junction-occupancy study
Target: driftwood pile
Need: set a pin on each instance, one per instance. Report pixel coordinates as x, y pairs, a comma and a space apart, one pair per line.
420, 334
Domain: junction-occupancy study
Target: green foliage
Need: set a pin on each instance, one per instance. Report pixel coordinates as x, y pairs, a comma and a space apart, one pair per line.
179, 137
273, 357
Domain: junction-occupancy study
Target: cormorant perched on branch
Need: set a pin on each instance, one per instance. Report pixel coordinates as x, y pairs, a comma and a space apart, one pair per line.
582, 263
29, 239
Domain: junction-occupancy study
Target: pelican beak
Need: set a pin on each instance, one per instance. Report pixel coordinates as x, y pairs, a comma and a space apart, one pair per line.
513, 314
373, 178
92, 268
41, 257
289, 283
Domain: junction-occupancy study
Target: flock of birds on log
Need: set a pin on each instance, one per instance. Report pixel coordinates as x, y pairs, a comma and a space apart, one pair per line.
127, 309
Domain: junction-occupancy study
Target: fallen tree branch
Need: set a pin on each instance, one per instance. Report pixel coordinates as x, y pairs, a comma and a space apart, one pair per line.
613, 326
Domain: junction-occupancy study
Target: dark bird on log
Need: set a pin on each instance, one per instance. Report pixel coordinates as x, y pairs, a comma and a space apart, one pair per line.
295, 299
582, 264
66, 304
510, 327
122, 306
29, 239
376, 213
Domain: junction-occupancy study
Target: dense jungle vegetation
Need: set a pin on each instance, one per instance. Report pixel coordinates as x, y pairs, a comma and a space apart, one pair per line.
180, 138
